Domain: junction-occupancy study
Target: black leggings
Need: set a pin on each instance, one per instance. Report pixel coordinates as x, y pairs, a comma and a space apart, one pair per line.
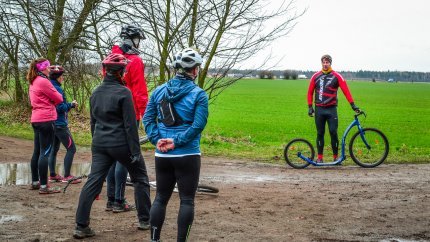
329, 115
43, 137
63, 135
184, 171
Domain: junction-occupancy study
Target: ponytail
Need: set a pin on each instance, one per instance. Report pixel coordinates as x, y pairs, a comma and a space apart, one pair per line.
32, 70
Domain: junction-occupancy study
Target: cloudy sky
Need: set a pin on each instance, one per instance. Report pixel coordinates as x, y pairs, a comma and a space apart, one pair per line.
376, 35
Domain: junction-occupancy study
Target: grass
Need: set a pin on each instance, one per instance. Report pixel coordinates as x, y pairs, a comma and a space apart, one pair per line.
255, 119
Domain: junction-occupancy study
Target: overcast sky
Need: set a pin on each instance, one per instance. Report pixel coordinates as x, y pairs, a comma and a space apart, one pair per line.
377, 35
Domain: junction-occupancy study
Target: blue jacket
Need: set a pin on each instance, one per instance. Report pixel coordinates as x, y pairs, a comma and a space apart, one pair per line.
62, 108
190, 103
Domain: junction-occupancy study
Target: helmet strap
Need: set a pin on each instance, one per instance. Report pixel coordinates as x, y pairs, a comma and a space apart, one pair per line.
136, 42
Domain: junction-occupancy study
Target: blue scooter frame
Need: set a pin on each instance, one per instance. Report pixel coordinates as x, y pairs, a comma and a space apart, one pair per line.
381, 146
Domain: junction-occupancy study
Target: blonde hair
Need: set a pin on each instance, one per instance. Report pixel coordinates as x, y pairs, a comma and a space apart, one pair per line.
32, 70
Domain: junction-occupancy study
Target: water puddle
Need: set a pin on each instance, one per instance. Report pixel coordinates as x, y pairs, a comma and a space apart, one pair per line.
399, 240
10, 218
20, 173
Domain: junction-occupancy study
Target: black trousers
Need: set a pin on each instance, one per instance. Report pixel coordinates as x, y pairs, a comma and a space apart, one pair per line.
185, 171
63, 136
327, 115
102, 160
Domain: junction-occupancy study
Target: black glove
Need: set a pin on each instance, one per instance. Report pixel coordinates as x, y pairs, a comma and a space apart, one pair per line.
355, 108
136, 157
311, 111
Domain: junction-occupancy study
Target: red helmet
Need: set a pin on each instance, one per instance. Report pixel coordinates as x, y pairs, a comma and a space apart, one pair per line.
115, 62
56, 69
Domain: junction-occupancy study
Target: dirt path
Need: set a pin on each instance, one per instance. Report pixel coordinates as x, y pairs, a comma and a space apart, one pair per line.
257, 202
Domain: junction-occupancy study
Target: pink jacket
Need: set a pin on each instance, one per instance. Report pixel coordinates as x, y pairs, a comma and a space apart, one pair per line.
43, 97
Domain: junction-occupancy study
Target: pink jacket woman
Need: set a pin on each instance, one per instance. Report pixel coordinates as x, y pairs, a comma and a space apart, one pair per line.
43, 98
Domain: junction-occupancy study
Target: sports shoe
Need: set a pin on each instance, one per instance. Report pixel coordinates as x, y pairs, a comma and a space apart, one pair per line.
143, 225
124, 207
35, 186
48, 190
74, 179
81, 233
109, 206
56, 178
319, 161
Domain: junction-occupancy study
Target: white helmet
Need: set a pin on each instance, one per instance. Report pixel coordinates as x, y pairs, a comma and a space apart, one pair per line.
187, 59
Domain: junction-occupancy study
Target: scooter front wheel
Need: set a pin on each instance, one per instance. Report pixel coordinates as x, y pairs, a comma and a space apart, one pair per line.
296, 147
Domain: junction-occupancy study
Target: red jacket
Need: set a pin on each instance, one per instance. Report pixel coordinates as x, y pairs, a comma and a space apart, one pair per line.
134, 78
43, 98
325, 87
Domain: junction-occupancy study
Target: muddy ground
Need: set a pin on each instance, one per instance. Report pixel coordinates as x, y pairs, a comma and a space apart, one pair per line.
256, 202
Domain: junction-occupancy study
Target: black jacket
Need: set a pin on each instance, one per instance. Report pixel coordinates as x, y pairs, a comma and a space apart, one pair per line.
113, 120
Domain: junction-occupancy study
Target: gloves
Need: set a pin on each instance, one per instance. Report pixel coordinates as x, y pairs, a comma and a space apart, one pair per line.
136, 158
355, 108
311, 111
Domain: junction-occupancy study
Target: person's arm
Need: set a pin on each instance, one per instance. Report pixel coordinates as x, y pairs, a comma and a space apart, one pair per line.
311, 90
137, 84
150, 121
92, 118
344, 87
130, 126
199, 122
64, 106
49, 90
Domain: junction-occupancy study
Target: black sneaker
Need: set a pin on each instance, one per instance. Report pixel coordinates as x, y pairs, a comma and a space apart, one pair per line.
81, 233
124, 207
144, 225
109, 206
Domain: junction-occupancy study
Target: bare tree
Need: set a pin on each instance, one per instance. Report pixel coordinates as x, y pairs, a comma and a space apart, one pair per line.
226, 32
53, 29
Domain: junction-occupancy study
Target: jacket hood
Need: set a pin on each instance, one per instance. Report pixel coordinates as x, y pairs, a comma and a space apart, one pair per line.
178, 87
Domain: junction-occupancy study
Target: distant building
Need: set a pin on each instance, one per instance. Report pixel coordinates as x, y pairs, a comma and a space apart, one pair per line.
302, 76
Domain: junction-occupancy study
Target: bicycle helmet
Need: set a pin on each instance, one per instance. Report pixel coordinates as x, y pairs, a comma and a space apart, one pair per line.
187, 59
131, 31
328, 57
114, 62
55, 71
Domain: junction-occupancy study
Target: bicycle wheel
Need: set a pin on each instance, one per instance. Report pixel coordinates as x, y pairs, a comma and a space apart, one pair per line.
207, 189
293, 148
364, 156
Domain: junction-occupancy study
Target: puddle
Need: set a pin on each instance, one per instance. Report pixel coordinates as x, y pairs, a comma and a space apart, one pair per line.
242, 178
20, 173
10, 218
399, 240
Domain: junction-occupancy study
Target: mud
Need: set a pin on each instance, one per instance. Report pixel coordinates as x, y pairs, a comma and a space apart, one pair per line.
257, 202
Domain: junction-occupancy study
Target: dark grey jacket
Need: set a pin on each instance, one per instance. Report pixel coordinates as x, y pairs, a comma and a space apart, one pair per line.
113, 120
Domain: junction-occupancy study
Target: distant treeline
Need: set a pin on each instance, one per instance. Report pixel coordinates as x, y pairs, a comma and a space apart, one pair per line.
401, 76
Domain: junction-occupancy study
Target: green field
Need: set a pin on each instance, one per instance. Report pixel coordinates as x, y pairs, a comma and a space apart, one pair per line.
256, 118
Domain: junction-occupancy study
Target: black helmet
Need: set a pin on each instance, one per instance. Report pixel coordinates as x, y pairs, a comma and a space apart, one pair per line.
328, 57
131, 31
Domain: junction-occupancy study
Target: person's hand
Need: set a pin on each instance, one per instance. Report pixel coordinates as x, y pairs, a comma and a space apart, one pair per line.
165, 145
136, 157
355, 108
74, 104
311, 111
